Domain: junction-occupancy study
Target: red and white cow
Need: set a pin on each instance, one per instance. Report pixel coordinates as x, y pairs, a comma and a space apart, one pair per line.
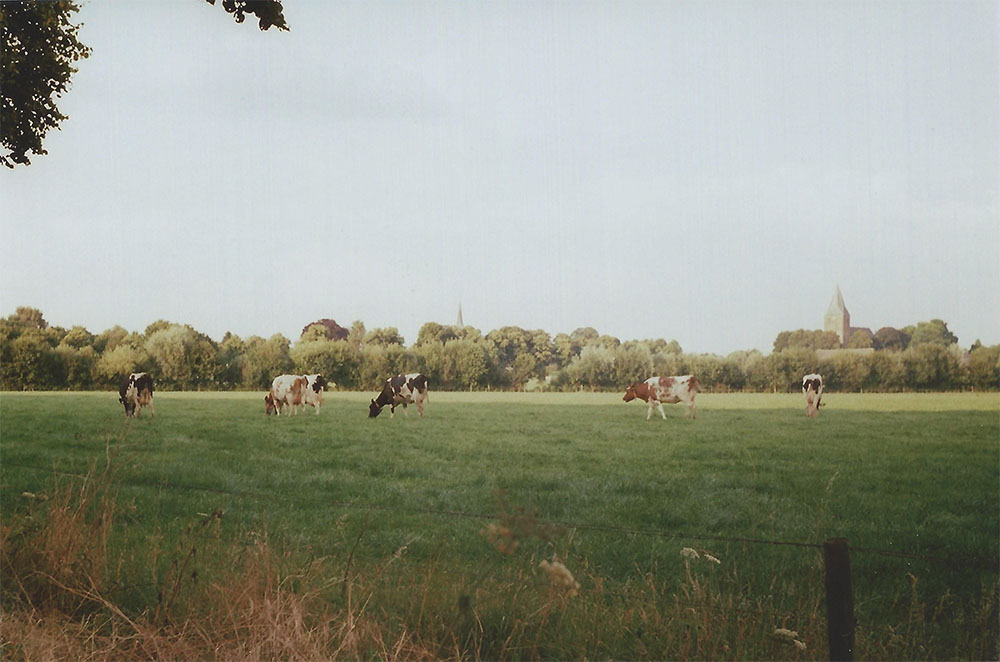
313, 394
657, 390
812, 388
287, 392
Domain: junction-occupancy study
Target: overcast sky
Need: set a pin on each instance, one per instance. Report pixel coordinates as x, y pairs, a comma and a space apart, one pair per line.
708, 172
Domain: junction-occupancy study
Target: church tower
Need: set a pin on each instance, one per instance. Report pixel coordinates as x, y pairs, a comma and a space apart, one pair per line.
837, 319
460, 324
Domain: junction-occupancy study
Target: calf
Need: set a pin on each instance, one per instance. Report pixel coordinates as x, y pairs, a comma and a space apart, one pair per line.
657, 390
287, 391
135, 393
401, 390
812, 388
313, 394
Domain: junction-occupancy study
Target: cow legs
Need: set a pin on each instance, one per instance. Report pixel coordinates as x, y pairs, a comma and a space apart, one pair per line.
691, 410
420, 407
659, 406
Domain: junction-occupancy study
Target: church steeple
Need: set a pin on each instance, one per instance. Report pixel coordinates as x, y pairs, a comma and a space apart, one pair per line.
837, 319
460, 324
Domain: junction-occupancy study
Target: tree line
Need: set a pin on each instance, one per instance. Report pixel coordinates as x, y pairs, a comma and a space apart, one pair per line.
37, 356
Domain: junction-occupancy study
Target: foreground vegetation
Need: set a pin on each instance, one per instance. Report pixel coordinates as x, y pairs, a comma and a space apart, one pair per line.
213, 531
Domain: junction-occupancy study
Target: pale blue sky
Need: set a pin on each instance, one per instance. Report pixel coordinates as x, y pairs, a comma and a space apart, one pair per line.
701, 171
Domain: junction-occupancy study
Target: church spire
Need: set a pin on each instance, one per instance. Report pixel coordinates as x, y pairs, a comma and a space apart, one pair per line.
460, 324
837, 306
837, 319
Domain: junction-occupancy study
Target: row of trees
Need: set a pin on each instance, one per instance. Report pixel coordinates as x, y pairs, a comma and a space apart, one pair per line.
887, 338
34, 355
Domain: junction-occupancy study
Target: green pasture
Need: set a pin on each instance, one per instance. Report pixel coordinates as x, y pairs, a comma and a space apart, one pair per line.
911, 480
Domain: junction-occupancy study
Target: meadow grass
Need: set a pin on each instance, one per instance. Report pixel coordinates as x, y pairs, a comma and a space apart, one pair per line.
400, 509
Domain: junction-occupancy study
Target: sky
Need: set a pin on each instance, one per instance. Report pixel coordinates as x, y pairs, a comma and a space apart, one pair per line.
702, 171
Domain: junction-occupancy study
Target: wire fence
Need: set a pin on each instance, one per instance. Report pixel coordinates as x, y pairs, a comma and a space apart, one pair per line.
951, 560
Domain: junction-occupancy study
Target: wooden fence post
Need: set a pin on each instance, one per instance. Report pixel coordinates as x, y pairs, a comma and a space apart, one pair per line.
839, 600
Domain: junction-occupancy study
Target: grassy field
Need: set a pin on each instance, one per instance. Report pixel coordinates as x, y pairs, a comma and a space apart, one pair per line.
403, 507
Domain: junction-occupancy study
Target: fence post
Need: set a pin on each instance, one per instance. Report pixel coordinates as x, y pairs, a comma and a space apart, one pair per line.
839, 600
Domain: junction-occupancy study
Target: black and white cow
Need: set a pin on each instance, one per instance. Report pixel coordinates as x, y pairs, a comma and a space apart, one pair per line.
401, 390
135, 393
812, 388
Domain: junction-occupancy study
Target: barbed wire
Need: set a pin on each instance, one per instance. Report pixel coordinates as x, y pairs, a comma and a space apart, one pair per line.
990, 564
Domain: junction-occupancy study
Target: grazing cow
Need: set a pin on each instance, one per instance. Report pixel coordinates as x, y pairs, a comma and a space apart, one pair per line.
812, 388
314, 391
657, 390
401, 390
135, 393
287, 391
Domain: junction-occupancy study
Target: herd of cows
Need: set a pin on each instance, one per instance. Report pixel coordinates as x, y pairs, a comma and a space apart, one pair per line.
291, 393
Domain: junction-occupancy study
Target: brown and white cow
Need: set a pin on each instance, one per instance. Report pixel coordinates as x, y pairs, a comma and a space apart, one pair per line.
135, 393
287, 392
657, 390
314, 391
812, 388
401, 390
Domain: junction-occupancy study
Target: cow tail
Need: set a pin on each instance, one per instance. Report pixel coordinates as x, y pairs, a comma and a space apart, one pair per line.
427, 390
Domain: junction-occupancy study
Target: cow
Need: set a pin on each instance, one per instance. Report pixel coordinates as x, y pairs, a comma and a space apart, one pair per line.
287, 391
314, 391
401, 390
812, 388
657, 390
135, 393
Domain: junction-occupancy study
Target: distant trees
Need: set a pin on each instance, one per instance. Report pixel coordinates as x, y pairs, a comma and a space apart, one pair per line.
934, 332
36, 355
387, 336
326, 328
806, 339
890, 339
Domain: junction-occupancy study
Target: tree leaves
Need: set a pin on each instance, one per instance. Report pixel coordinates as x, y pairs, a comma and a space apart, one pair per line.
39, 45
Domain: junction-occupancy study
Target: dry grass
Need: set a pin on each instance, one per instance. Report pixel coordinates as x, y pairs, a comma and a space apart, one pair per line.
62, 601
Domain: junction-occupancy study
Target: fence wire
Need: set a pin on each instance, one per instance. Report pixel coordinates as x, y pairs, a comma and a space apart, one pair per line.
969, 561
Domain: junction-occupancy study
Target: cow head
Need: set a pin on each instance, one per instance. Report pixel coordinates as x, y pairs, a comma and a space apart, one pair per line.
320, 383
129, 405
269, 406
630, 393
126, 395
374, 410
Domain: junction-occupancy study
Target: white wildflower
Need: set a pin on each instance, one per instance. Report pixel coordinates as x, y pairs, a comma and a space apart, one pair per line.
790, 637
709, 557
561, 577
689, 553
